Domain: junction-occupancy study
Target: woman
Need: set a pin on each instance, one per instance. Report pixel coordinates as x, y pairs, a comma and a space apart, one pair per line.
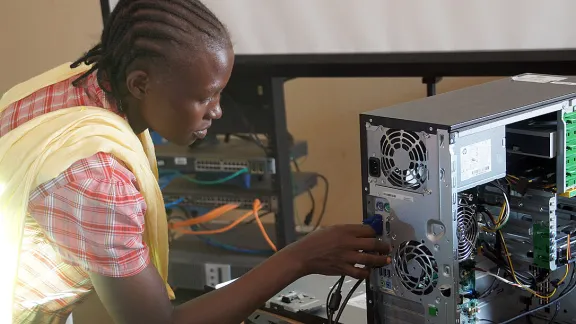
159, 65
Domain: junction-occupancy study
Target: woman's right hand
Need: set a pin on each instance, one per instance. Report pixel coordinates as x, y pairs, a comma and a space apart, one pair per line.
335, 250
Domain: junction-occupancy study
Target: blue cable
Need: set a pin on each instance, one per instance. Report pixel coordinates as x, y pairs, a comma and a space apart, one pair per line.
231, 247
174, 203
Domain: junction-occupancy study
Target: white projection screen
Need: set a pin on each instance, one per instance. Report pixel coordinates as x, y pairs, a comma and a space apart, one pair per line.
270, 27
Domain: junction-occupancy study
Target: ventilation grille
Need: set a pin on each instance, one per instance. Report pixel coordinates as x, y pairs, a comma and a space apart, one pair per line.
404, 159
416, 267
467, 230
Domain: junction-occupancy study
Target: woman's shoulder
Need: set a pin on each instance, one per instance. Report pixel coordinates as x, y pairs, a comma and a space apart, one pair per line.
57, 96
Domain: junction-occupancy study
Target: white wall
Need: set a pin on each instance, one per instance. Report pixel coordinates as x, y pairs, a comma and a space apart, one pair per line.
385, 26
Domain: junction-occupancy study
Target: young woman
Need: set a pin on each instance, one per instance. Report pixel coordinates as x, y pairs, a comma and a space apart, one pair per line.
160, 65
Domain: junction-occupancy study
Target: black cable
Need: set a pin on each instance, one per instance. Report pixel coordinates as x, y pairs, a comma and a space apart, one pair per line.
555, 313
310, 215
333, 299
563, 294
348, 296
324, 202
247, 123
490, 288
557, 310
254, 139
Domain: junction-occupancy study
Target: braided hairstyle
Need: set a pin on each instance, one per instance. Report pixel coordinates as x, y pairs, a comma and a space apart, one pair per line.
145, 29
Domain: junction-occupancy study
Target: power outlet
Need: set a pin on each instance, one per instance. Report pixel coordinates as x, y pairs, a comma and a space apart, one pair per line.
217, 273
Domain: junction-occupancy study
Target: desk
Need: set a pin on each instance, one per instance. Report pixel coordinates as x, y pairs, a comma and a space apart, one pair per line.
310, 309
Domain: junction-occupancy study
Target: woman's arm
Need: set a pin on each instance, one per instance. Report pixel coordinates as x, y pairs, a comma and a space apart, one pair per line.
142, 298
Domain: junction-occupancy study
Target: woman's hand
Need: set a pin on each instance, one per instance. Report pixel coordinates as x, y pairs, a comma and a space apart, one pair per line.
335, 250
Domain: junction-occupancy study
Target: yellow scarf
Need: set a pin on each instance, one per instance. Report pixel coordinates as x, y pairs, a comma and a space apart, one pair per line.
42, 148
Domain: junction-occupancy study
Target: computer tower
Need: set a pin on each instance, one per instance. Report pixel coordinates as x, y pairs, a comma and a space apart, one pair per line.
480, 229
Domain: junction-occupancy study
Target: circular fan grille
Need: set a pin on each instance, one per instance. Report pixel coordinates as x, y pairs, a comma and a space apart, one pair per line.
467, 230
416, 267
404, 159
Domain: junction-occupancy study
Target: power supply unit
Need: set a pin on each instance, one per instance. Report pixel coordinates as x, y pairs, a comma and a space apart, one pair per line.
481, 229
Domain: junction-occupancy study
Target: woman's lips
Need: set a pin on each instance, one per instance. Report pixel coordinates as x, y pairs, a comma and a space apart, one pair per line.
201, 133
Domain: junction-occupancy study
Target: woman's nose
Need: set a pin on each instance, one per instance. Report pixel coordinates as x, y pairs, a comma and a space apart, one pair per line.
216, 112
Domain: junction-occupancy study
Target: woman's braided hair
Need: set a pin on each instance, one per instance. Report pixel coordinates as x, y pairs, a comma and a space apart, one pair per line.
145, 29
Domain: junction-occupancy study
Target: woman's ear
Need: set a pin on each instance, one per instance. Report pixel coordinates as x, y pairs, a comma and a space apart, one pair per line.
137, 83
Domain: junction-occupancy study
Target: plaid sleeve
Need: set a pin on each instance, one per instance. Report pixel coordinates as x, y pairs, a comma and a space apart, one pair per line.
97, 224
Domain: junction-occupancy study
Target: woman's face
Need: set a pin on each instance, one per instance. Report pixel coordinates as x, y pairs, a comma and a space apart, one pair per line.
181, 103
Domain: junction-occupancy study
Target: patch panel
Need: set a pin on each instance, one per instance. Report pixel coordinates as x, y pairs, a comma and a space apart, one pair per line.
219, 165
232, 156
211, 196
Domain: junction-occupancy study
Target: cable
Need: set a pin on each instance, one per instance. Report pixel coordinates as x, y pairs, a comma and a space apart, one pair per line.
490, 288
174, 203
233, 248
504, 215
177, 173
209, 216
562, 280
555, 313
564, 293
348, 296
514, 274
256, 206
261, 216
246, 122
333, 299
255, 211
310, 215
215, 243
324, 202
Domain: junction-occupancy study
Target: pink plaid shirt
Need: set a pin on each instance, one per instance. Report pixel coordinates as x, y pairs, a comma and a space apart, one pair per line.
88, 219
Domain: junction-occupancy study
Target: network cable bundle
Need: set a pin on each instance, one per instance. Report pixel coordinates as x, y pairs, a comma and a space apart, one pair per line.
217, 176
474, 188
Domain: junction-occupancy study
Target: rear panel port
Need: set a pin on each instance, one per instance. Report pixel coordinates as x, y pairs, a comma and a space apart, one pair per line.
374, 167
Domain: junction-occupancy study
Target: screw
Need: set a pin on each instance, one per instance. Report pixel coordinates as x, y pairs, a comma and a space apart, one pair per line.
365, 189
430, 129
